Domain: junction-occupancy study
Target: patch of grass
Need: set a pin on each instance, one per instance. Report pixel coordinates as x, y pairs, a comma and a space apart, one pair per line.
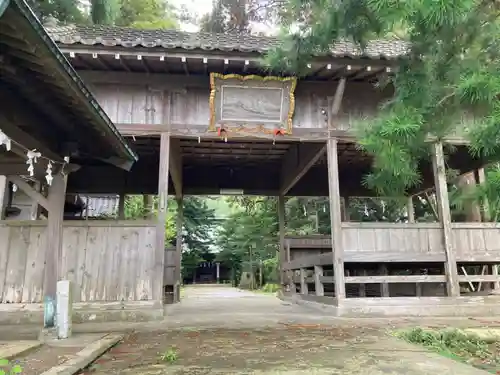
270, 288
170, 355
458, 345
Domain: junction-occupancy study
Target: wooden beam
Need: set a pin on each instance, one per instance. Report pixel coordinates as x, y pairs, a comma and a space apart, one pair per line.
281, 226
384, 285
35, 207
4, 195
318, 283
335, 220
10, 128
194, 131
31, 192
410, 209
481, 179
254, 60
178, 250
303, 282
443, 204
334, 195
337, 102
162, 216
148, 206
54, 238
121, 207
175, 166
297, 162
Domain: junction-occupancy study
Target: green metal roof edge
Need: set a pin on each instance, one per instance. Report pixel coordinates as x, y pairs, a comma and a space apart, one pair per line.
68, 68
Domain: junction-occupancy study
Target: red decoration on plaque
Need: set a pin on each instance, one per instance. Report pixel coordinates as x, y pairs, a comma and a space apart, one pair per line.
279, 131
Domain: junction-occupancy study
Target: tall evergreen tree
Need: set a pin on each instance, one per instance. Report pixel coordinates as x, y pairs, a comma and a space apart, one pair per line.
104, 12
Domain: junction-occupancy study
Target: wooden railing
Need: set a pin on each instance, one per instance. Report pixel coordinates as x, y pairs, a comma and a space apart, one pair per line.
389, 242
476, 242
106, 260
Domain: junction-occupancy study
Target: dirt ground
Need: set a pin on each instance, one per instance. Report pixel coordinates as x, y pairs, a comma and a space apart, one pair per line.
293, 349
237, 350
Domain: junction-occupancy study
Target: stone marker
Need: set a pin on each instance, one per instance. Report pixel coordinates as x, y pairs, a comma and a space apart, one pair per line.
64, 308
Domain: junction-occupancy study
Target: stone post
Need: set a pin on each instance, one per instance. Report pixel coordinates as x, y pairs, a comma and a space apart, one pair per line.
64, 308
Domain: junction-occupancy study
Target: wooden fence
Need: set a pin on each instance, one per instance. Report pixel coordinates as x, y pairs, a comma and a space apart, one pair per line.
106, 260
388, 242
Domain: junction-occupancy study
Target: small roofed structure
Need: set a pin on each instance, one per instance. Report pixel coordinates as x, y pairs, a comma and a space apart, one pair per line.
50, 126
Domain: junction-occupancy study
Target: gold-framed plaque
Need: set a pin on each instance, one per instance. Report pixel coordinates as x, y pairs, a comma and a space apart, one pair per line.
252, 103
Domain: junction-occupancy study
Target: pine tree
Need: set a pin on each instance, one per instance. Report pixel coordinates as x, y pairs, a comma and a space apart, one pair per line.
104, 12
449, 73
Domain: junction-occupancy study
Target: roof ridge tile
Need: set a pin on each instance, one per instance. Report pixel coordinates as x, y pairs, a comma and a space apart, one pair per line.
170, 39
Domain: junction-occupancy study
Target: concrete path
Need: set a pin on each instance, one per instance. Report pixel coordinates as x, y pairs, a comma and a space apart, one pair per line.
221, 330
221, 306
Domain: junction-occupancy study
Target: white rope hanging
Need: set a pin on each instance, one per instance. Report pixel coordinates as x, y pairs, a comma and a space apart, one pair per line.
32, 157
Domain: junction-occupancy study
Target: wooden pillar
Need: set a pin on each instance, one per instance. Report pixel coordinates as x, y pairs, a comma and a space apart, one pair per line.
178, 249
418, 286
162, 216
494, 272
35, 207
148, 206
281, 225
289, 274
318, 284
410, 209
4, 195
346, 216
121, 207
335, 220
472, 209
452, 285
481, 179
303, 282
362, 286
54, 237
384, 287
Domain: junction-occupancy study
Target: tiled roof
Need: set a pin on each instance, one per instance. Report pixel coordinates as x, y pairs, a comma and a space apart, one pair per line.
111, 36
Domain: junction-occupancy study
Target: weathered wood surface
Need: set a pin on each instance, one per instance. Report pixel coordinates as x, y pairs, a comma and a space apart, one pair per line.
169, 276
476, 241
386, 242
186, 101
404, 306
107, 261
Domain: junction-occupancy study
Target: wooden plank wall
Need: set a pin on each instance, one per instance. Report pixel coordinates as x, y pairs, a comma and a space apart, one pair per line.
408, 240
106, 261
476, 241
189, 104
379, 242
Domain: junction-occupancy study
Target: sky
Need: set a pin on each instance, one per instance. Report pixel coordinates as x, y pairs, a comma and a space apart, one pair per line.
198, 7
202, 7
